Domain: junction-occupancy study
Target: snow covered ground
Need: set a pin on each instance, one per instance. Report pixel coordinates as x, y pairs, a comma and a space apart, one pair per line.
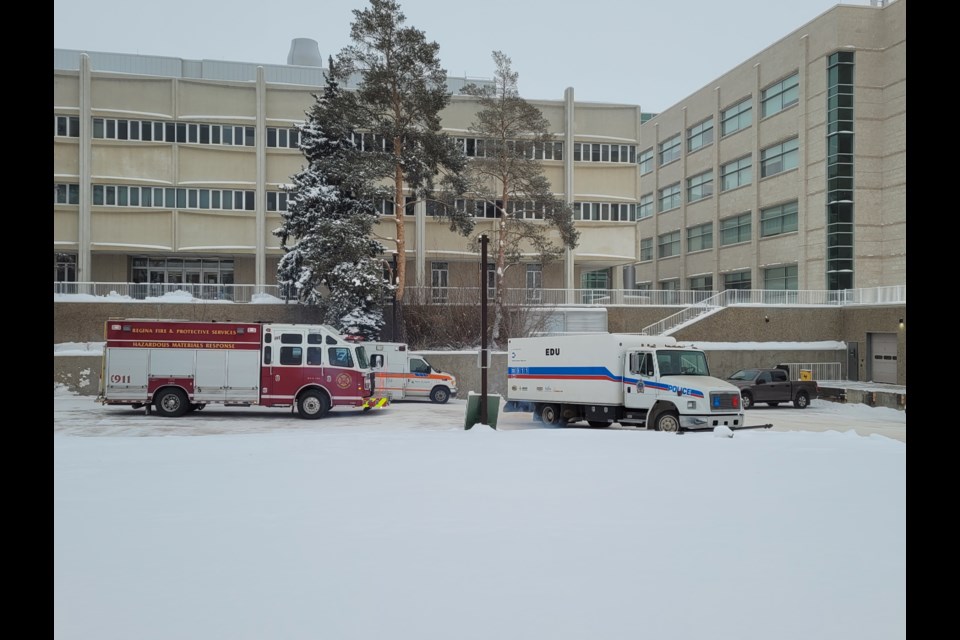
250, 523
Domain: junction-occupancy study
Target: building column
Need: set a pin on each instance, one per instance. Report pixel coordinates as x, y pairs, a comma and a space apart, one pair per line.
84, 256
260, 193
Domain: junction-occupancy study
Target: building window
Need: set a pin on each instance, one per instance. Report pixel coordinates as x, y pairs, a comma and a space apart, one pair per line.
736, 174
781, 278
64, 267
779, 158
840, 159
700, 135
600, 152
700, 237
669, 285
172, 198
701, 283
606, 211
646, 249
645, 208
779, 96
670, 150
276, 200
534, 283
66, 193
439, 280
645, 160
670, 197
779, 219
738, 280
283, 138
595, 285
700, 186
737, 117
185, 132
735, 230
66, 126
201, 276
483, 148
668, 244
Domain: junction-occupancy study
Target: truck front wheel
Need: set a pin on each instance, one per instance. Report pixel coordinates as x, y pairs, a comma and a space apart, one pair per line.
802, 401
312, 404
440, 395
171, 402
550, 414
668, 421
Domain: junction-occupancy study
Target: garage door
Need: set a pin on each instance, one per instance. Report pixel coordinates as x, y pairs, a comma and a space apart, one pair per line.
883, 360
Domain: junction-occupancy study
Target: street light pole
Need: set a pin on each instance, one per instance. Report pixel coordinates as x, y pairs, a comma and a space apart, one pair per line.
483, 329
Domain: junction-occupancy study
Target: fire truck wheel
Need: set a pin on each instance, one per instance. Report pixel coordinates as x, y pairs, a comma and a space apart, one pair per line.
668, 421
171, 402
312, 404
440, 395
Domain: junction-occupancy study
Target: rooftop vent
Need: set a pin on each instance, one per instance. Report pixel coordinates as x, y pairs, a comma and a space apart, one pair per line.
304, 52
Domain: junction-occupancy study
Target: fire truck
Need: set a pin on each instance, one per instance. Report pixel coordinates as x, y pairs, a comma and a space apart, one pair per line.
178, 366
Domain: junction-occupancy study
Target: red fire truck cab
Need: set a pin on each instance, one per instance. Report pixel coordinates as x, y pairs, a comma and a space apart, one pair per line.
176, 366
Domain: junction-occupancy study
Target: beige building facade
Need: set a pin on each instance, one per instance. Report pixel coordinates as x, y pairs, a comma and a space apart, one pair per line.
789, 172
171, 171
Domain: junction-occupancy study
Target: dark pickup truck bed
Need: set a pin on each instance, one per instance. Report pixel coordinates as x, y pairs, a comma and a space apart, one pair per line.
773, 386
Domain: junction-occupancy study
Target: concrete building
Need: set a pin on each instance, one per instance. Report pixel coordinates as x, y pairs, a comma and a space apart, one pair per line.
170, 171
788, 172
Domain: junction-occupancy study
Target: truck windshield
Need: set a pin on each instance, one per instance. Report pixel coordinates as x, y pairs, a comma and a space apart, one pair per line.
677, 362
362, 361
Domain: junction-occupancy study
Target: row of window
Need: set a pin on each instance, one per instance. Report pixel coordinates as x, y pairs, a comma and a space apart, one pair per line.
775, 220
773, 99
240, 200
775, 159
482, 148
109, 195
780, 278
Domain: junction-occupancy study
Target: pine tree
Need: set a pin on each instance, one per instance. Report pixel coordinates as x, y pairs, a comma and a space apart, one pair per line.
531, 220
331, 259
400, 94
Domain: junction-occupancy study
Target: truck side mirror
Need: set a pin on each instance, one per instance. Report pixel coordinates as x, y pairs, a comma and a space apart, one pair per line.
376, 361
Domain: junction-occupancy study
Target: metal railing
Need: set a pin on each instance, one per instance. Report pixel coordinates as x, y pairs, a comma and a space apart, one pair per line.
169, 292
693, 303
818, 370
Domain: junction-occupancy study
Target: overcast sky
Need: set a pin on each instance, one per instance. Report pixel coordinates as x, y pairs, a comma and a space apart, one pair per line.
601, 48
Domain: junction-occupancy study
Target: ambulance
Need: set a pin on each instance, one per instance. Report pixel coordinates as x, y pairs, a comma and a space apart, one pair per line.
402, 375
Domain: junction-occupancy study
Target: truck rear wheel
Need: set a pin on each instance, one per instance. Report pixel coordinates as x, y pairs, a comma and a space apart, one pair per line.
439, 395
550, 414
668, 421
747, 400
312, 404
802, 401
171, 402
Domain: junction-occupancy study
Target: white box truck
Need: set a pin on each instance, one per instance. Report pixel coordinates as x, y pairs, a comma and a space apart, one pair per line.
629, 379
404, 375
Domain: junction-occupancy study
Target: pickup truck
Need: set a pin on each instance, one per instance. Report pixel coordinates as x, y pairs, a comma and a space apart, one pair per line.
773, 386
